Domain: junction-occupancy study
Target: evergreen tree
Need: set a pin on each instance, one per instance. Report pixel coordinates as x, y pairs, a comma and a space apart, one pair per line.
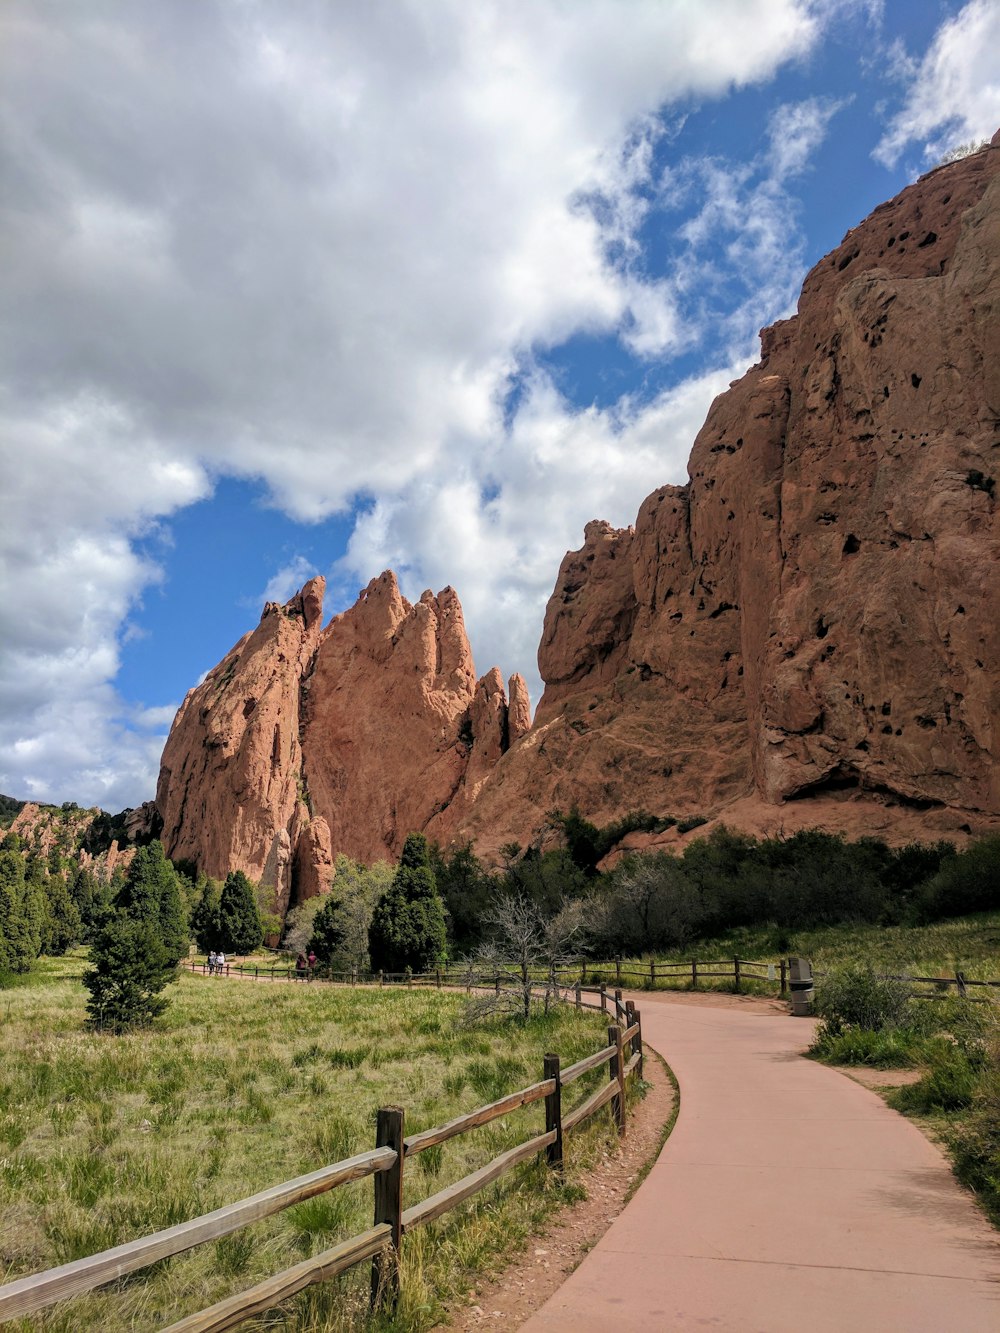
131, 966
62, 923
408, 926
151, 893
206, 926
239, 916
83, 890
11, 888
329, 930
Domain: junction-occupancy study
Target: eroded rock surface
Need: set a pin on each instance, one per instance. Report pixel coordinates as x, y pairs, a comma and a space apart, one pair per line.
807, 633
304, 742
813, 618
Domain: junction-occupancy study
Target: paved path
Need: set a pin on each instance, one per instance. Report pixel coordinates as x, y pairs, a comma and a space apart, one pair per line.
788, 1198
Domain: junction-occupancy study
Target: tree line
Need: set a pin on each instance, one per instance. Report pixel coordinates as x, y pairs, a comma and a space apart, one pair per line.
439, 903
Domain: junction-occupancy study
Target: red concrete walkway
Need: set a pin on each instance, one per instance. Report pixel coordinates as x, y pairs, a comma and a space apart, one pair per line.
788, 1198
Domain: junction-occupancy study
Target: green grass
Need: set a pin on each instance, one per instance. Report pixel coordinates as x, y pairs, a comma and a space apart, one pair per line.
243, 1085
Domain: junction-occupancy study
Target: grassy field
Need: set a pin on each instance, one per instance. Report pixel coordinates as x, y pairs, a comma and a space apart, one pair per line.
968, 944
243, 1085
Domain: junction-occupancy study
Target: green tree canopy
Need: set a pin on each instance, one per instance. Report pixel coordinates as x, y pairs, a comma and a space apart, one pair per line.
239, 916
131, 966
329, 930
408, 926
151, 893
206, 923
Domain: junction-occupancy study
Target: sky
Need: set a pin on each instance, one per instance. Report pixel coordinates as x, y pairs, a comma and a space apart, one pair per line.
414, 284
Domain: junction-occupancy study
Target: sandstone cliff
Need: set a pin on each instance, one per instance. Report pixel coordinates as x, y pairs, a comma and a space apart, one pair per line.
808, 631
304, 742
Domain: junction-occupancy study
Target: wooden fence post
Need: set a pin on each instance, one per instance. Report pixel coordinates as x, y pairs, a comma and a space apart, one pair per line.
618, 971
960, 983
736, 975
637, 1042
652, 974
694, 974
604, 998
578, 989
498, 983
618, 1005
437, 974
388, 1204
553, 1113
381, 977
616, 1074
784, 976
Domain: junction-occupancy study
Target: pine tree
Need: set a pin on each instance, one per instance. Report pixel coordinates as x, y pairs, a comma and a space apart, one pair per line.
408, 926
131, 966
239, 916
329, 930
20, 933
151, 893
62, 923
206, 926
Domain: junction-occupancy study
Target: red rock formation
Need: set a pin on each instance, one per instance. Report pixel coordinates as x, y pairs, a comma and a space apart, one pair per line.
814, 616
304, 741
807, 633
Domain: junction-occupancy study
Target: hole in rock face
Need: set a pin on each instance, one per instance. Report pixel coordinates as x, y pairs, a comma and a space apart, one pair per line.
852, 546
915, 381
929, 239
822, 628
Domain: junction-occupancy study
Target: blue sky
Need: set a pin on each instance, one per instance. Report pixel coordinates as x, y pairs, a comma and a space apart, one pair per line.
318, 288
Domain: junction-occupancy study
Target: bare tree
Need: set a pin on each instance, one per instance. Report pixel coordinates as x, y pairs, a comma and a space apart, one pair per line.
523, 945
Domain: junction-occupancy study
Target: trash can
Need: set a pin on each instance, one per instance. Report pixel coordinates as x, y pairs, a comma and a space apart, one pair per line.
800, 985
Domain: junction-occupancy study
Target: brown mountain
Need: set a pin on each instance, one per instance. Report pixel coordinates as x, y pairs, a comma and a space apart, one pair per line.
807, 633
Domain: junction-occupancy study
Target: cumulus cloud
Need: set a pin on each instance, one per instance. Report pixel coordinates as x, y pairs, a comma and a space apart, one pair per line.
316, 247
953, 91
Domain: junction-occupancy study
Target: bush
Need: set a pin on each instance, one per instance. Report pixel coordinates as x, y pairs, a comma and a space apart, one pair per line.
975, 1145
948, 1085
967, 882
855, 997
891, 1048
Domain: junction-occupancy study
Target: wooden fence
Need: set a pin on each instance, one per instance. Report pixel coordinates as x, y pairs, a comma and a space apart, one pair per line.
656, 975
381, 1243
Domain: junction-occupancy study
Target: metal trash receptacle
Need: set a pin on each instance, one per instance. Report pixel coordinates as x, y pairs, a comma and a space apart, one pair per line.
800, 985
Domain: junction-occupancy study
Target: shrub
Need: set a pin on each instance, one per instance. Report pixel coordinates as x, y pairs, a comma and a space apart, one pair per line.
891, 1048
948, 1085
855, 997
967, 882
975, 1145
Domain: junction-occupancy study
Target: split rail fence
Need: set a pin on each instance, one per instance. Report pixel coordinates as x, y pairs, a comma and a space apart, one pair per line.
623, 1055
656, 975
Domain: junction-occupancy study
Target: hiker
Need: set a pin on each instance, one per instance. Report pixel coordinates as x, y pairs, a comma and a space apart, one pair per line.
312, 963
300, 967
220, 963
211, 962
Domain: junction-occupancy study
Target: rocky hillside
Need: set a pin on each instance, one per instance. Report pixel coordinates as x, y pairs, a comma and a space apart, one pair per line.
807, 633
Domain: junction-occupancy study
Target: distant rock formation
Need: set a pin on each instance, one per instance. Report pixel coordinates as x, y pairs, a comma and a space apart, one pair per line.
807, 633
304, 742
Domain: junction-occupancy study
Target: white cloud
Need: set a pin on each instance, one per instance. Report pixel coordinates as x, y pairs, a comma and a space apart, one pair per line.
796, 129
312, 246
953, 93
285, 581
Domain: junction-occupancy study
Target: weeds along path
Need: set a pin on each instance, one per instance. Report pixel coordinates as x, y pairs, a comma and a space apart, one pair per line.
787, 1197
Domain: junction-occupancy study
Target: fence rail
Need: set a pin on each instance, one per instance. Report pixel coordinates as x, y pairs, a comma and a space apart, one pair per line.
386, 1163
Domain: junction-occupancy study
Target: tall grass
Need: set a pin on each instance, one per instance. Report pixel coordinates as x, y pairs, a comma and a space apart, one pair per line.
241, 1086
